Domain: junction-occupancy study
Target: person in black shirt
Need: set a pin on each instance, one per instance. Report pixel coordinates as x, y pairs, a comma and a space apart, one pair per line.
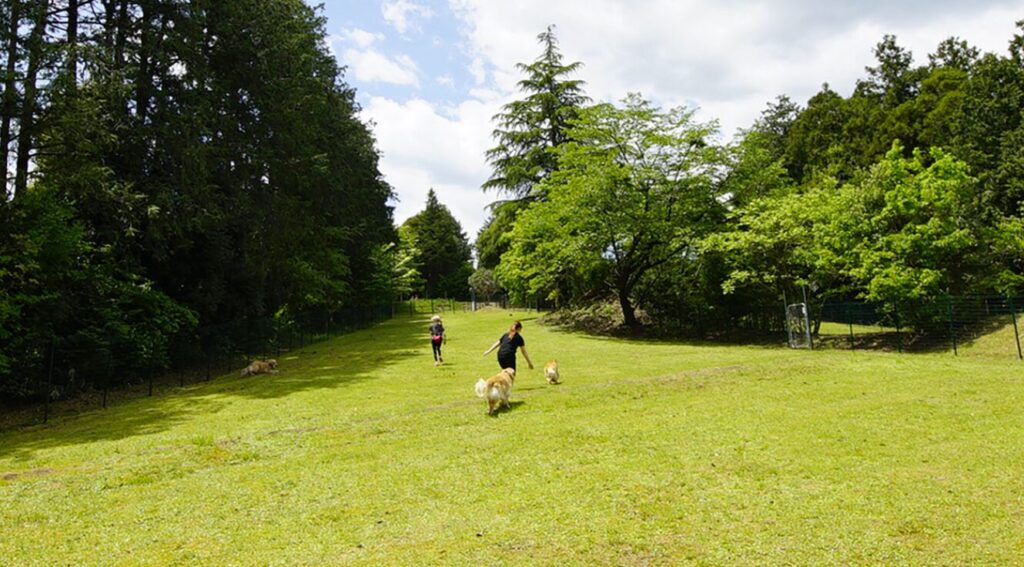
437, 337
507, 345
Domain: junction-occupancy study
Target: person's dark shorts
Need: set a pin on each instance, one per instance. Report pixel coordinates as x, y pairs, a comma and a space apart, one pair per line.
507, 362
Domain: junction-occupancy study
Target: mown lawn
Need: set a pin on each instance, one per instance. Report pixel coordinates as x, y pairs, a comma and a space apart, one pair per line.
649, 453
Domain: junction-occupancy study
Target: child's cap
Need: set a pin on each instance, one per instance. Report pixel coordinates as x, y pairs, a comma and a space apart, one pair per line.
435, 318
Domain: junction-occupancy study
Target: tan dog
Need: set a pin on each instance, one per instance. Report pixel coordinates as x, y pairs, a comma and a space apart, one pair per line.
551, 372
496, 389
260, 367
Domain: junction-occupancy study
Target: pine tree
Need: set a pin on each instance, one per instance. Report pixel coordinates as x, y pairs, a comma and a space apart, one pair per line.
529, 128
443, 253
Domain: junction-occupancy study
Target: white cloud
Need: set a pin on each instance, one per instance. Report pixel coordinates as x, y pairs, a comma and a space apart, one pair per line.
446, 81
730, 56
476, 68
358, 37
399, 13
426, 146
371, 66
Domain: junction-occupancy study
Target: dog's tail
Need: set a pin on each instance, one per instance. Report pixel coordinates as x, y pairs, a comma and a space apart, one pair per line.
481, 388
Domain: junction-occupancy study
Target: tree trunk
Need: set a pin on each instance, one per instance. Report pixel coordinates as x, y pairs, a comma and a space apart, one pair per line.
26, 125
144, 79
628, 309
10, 93
120, 34
72, 68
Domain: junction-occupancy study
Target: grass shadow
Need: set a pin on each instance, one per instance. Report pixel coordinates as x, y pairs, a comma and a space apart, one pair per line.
512, 406
336, 362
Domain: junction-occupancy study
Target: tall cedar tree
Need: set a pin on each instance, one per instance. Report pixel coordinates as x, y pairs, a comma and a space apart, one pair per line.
528, 129
528, 132
172, 162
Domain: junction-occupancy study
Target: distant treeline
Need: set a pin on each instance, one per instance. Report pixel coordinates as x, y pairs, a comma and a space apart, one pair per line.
907, 190
173, 164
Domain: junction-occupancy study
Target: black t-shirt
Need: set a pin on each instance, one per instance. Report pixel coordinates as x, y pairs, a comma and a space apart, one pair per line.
436, 330
507, 347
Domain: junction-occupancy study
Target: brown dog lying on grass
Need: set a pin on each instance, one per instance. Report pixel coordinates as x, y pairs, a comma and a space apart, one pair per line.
496, 389
260, 367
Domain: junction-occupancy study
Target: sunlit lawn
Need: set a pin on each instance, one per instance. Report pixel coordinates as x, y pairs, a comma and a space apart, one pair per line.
360, 452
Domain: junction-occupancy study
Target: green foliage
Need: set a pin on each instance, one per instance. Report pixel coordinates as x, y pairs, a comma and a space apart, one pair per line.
936, 213
56, 287
754, 169
529, 129
493, 239
772, 243
815, 143
484, 282
397, 276
1008, 251
442, 252
206, 160
635, 189
905, 231
924, 240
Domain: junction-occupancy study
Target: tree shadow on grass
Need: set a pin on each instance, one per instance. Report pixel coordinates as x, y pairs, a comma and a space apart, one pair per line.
337, 362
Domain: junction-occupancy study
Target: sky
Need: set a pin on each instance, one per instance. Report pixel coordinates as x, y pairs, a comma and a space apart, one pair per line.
430, 74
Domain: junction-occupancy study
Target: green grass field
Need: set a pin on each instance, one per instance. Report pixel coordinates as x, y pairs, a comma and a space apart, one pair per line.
650, 453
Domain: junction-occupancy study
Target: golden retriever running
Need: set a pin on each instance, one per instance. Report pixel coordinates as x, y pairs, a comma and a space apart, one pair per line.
496, 389
551, 372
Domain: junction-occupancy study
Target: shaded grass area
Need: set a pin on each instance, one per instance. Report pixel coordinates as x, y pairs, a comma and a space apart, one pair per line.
360, 452
991, 337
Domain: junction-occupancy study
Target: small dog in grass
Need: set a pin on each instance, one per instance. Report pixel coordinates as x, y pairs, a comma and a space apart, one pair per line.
260, 367
551, 372
496, 389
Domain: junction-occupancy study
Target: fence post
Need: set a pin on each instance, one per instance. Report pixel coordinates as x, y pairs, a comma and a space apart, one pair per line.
952, 329
807, 318
49, 381
1016, 334
150, 372
106, 383
849, 319
785, 318
181, 374
899, 335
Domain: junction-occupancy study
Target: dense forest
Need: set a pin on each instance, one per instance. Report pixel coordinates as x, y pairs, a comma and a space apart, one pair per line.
173, 165
907, 190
